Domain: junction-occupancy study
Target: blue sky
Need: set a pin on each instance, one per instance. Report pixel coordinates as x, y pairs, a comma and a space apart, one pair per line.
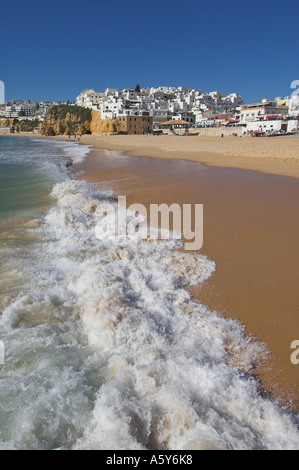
53, 50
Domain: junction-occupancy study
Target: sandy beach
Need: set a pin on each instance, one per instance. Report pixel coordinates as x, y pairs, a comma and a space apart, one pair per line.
273, 155
149, 230
251, 227
250, 191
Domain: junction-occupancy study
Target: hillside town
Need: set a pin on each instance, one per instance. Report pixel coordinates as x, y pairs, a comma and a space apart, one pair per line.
28, 109
171, 109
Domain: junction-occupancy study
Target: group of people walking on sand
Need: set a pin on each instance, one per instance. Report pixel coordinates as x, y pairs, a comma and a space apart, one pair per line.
75, 136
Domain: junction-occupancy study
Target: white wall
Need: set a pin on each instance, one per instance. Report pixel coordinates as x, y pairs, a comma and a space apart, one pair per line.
265, 126
108, 114
292, 125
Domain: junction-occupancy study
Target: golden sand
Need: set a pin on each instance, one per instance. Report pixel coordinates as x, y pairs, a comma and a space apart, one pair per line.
272, 155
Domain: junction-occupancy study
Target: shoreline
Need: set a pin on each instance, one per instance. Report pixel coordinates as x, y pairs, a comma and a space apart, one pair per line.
146, 180
272, 155
229, 152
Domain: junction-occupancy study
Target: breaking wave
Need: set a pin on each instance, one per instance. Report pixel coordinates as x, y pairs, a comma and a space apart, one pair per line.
107, 349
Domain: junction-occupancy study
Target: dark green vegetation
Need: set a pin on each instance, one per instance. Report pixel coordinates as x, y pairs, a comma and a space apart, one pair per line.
25, 125
61, 111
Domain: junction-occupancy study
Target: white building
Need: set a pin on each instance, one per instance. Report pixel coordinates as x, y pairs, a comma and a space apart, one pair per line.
188, 117
266, 126
293, 125
262, 111
202, 117
8, 114
274, 126
89, 99
293, 104
163, 103
110, 91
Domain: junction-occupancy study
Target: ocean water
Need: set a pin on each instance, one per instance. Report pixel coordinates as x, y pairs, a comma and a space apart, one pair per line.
104, 346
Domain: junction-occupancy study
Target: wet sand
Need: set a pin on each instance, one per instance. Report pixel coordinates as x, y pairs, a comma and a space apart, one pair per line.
272, 155
251, 228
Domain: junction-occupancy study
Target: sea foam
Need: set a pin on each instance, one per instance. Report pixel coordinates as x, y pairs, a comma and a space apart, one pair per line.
71, 149
107, 349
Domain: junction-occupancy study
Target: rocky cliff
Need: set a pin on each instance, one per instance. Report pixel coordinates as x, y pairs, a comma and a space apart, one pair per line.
67, 119
102, 126
21, 125
6, 122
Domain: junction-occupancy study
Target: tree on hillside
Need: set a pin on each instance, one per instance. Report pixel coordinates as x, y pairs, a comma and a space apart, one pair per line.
137, 88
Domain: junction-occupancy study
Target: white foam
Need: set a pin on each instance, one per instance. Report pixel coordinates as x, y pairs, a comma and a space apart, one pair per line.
119, 355
75, 151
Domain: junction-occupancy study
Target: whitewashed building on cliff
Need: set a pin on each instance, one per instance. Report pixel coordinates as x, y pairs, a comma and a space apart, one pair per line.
89, 99
162, 103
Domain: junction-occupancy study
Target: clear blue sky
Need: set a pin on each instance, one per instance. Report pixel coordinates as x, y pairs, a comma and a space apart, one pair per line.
53, 50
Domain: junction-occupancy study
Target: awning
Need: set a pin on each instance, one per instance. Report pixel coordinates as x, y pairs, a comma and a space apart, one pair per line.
175, 122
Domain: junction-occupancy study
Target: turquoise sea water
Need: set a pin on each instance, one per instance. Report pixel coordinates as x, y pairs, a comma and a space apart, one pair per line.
104, 346
28, 170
